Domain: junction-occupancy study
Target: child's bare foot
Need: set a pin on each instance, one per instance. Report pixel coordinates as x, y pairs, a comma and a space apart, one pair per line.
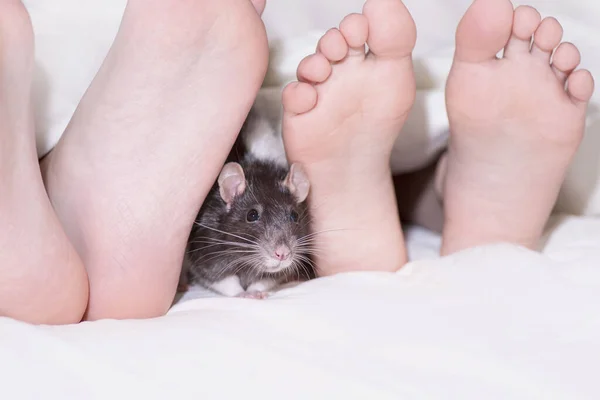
514, 126
148, 141
42, 280
340, 122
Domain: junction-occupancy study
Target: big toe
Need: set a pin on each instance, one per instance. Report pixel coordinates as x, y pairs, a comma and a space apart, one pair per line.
484, 30
392, 31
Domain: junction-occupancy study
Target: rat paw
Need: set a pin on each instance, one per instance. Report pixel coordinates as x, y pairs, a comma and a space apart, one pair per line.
256, 295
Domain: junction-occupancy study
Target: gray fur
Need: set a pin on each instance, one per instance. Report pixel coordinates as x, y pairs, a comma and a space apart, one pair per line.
209, 261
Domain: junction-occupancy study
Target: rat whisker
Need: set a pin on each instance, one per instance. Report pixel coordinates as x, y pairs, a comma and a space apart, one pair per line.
313, 234
240, 267
223, 244
201, 248
306, 271
215, 240
231, 251
307, 260
227, 233
252, 264
297, 266
238, 264
239, 254
309, 249
232, 245
207, 239
310, 243
304, 214
215, 255
256, 268
226, 245
259, 270
306, 264
251, 191
252, 261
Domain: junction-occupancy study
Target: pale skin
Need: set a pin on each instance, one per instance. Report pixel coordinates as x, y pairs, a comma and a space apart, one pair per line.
152, 133
501, 175
341, 120
514, 130
505, 163
126, 179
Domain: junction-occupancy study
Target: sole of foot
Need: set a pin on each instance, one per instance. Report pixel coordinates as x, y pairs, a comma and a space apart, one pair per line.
341, 120
148, 141
516, 122
42, 279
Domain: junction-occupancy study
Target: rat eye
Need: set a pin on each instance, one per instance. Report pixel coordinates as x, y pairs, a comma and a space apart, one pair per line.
252, 216
294, 216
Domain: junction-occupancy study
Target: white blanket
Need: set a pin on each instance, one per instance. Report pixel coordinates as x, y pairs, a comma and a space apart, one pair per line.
73, 36
495, 322
426, 129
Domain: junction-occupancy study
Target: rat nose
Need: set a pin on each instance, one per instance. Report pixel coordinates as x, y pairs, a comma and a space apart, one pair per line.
282, 252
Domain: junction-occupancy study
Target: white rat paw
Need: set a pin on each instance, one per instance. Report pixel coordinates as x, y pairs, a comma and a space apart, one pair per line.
253, 295
264, 285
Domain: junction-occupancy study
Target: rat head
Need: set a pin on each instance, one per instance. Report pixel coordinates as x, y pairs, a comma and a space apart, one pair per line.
265, 209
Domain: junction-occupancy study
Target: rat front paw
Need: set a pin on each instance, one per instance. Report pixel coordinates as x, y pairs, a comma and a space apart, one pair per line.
253, 295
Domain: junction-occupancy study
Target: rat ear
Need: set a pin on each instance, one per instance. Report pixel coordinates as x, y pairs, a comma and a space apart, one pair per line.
232, 182
297, 182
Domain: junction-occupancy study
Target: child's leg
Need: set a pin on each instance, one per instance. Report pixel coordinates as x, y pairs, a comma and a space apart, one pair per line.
42, 279
341, 121
514, 127
148, 141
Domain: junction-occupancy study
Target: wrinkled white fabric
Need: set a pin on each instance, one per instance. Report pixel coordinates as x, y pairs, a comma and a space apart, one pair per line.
72, 38
494, 322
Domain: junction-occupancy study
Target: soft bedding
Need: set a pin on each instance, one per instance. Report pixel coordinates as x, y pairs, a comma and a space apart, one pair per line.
493, 322
497, 322
73, 36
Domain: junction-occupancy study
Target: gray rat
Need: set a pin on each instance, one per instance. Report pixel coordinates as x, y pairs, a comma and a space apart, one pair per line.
252, 232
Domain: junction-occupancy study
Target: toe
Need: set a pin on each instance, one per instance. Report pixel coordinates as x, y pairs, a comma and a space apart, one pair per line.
564, 61
580, 86
484, 30
525, 21
299, 98
314, 68
392, 31
355, 28
333, 45
546, 38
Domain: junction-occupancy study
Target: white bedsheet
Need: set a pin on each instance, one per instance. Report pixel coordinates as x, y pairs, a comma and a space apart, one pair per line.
73, 36
497, 322
426, 130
